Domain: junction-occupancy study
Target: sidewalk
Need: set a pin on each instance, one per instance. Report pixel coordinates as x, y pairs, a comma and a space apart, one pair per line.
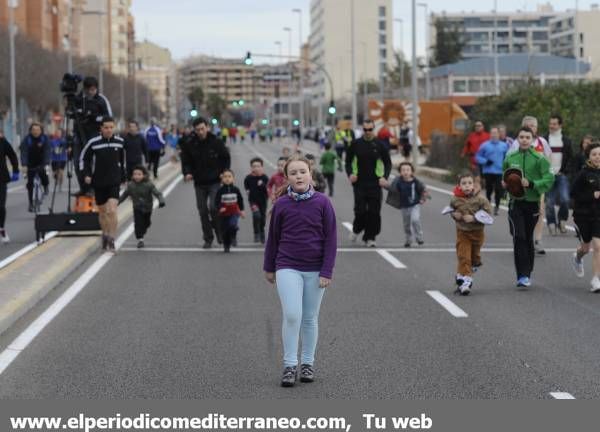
31, 277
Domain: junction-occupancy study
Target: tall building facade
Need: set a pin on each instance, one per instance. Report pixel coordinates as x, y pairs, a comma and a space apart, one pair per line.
330, 44
155, 68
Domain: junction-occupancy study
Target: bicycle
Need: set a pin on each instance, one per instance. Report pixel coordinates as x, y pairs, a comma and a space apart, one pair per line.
38, 194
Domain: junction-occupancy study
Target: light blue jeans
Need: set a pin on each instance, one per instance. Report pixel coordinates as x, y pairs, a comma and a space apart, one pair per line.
300, 297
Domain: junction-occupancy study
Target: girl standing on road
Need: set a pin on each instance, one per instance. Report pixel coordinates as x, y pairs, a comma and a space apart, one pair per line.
586, 214
299, 258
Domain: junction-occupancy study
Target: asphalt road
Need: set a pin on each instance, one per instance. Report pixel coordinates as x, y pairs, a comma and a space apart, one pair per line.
173, 321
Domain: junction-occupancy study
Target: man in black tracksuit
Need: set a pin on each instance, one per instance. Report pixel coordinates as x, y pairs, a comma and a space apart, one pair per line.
36, 154
368, 166
203, 158
135, 147
6, 152
102, 164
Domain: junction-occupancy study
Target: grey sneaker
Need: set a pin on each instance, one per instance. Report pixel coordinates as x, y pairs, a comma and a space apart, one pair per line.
577, 265
552, 229
539, 249
307, 373
371, 244
289, 376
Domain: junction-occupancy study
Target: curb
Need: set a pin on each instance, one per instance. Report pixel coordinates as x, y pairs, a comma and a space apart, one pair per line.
22, 282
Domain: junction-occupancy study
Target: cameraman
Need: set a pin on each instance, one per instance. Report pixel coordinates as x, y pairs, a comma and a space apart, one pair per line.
35, 157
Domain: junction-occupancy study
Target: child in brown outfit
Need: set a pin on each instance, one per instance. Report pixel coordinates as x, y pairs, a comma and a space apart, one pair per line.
469, 232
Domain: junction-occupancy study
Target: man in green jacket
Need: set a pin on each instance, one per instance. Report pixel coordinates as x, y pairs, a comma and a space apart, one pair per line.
524, 209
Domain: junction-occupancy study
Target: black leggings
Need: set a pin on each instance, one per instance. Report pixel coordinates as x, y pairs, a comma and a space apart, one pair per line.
3, 188
154, 161
493, 183
141, 223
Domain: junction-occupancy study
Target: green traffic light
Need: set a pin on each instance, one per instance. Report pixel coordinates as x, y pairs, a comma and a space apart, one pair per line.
332, 110
265, 121
214, 121
241, 102
194, 113
235, 103
296, 122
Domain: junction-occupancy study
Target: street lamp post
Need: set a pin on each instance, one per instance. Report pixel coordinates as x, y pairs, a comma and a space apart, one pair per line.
427, 84
289, 105
299, 12
353, 60
401, 22
12, 4
277, 115
69, 36
415, 96
495, 52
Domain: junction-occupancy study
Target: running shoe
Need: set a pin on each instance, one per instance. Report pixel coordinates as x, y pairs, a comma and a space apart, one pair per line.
465, 287
207, 245
4, 238
140, 243
552, 229
104, 242
353, 237
539, 249
256, 237
371, 243
420, 242
496, 211
523, 281
562, 226
476, 267
226, 248
577, 265
407, 244
289, 376
595, 282
111, 245
307, 373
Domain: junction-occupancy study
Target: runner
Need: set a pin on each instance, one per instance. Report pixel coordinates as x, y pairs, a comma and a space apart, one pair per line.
255, 184
142, 190
102, 163
527, 176
368, 166
318, 179
586, 214
302, 220
277, 180
36, 155
230, 203
475, 139
490, 156
59, 157
136, 148
203, 159
6, 152
156, 147
466, 203
328, 162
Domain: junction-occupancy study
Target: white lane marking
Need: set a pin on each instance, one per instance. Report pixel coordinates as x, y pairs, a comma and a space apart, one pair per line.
18, 254
454, 310
391, 259
348, 226
260, 155
366, 250
562, 395
16, 189
29, 334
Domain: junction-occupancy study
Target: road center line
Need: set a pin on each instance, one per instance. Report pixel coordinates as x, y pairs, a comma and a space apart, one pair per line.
454, 310
562, 395
391, 259
29, 334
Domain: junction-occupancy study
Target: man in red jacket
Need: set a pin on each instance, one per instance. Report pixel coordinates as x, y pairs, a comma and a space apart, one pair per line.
474, 141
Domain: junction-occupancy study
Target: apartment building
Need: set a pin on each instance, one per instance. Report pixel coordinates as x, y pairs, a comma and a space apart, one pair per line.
155, 70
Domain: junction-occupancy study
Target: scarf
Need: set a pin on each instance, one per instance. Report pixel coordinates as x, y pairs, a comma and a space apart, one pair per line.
300, 196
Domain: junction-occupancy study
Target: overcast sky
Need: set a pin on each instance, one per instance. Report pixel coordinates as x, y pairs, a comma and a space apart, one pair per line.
229, 28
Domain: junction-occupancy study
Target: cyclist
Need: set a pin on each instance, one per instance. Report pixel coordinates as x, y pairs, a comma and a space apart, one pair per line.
35, 157
6, 152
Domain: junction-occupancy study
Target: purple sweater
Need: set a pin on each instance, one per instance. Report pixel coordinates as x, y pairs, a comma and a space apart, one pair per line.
302, 236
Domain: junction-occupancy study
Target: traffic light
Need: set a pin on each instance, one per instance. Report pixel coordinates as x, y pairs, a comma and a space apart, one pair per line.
248, 61
264, 122
194, 112
332, 110
214, 121
235, 103
241, 102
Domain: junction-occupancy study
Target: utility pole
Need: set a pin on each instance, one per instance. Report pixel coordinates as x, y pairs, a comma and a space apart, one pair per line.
301, 63
402, 59
277, 115
289, 98
12, 4
353, 59
415, 96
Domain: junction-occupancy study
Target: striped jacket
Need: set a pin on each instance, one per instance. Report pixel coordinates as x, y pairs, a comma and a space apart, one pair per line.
103, 159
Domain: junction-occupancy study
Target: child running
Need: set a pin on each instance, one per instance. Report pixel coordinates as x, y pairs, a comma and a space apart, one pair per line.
277, 180
469, 232
328, 162
141, 190
255, 184
299, 257
411, 194
532, 177
230, 203
586, 214
318, 179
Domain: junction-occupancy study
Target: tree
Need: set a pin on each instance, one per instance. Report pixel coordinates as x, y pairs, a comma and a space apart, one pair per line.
449, 43
372, 86
196, 96
401, 73
216, 105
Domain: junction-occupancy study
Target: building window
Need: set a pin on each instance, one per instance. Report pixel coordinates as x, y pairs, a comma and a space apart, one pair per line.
382, 25
383, 53
459, 86
474, 86
382, 39
381, 11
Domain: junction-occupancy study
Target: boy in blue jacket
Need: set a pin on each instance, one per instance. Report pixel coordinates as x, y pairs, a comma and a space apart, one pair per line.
490, 157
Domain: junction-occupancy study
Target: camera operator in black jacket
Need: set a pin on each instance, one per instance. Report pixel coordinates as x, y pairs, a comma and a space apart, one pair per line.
204, 157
